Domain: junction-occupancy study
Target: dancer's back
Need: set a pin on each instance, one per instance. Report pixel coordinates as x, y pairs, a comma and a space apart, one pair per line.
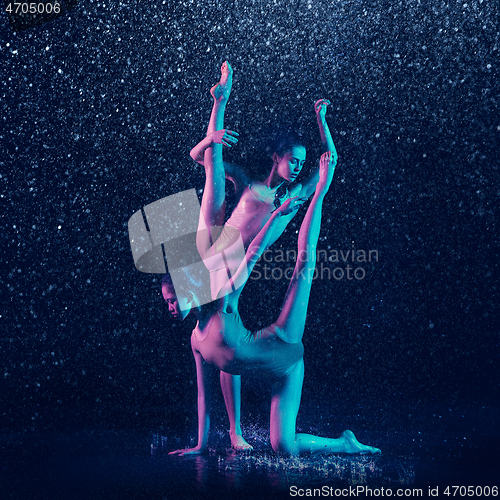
223, 341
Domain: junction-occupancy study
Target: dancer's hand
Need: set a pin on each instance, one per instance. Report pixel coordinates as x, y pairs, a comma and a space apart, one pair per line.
291, 205
187, 451
326, 169
225, 137
320, 107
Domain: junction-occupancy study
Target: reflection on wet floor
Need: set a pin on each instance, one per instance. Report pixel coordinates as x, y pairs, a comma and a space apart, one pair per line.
234, 469
99, 464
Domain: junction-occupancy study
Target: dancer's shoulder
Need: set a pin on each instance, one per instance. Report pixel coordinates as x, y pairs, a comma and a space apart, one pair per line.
259, 190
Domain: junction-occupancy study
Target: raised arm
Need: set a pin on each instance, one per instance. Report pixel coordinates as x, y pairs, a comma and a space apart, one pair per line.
320, 107
232, 172
202, 378
198, 152
225, 137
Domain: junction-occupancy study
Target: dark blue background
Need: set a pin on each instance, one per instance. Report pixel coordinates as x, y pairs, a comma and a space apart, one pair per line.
99, 110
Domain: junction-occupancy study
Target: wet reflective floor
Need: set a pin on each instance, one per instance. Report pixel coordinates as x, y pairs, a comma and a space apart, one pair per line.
97, 464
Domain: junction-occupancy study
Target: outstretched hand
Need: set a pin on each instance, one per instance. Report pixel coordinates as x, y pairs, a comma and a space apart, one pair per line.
187, 451
225, 137
320, 107
291, 205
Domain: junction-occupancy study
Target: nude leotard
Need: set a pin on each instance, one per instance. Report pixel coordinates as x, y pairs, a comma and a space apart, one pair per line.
248, 218
227, 344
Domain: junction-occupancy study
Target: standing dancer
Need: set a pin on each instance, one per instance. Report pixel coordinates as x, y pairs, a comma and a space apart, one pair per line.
220, 340
220, 246
221, 243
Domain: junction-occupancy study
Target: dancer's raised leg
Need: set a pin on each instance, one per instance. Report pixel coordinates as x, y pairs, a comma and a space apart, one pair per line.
220, 93
291, 321
212, 218
212, 214
290, 327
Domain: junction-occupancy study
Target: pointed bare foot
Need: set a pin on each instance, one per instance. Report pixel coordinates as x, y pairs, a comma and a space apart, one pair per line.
222, 90
239, 444
326, 170
353, 446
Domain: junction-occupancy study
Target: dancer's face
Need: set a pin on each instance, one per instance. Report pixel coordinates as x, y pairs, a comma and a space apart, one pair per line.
291, 163
178, 307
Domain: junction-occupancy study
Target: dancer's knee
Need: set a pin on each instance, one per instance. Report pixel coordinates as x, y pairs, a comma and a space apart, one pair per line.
284, 445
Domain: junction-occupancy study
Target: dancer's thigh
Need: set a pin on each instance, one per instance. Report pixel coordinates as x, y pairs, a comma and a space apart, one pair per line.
285, 403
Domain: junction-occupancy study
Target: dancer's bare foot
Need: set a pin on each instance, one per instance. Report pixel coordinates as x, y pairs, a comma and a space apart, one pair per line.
326, 170
353, 446
239, 444
221, 91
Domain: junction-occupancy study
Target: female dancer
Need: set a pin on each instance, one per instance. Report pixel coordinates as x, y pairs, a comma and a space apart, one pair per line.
221, 340
221, 247
222, 244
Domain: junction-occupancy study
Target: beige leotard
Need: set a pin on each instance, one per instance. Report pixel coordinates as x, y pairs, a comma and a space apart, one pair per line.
227, 344
248, 218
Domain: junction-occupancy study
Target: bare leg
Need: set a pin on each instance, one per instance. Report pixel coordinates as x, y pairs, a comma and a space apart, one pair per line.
221, 91
284, 408
231, 389
212, 214
287, 391
292, 319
